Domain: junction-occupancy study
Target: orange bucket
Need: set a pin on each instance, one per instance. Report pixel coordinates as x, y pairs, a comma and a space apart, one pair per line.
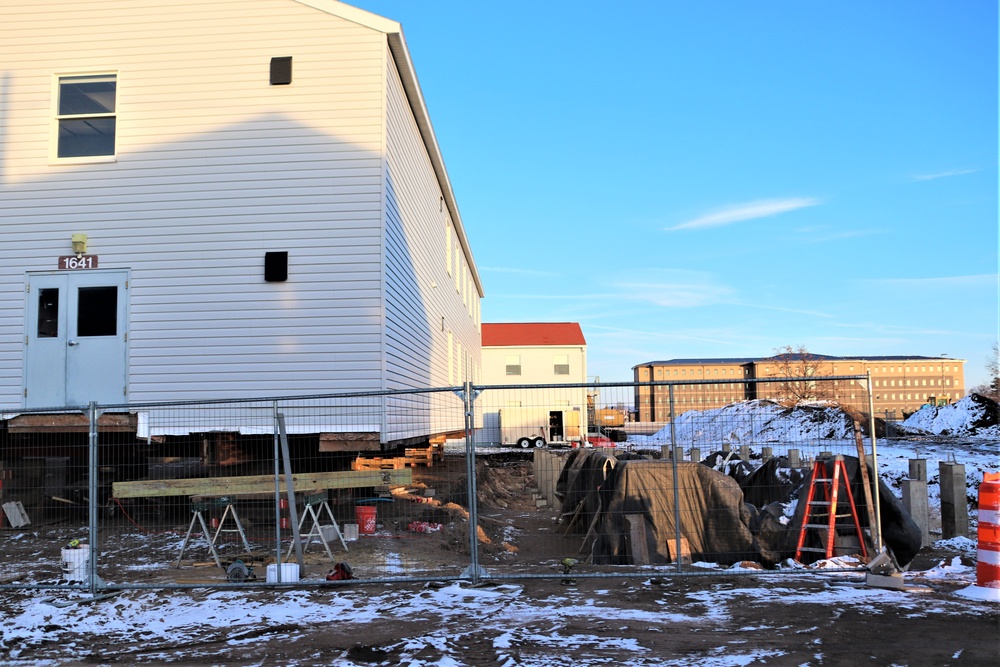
366, 518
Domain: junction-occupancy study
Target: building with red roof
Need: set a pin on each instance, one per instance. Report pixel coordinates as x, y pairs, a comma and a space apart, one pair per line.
533, 353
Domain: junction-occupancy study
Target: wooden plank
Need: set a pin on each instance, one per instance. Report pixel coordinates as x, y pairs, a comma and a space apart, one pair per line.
313, 481
637, 539
349, 442
685, 556
72, 423
859, 441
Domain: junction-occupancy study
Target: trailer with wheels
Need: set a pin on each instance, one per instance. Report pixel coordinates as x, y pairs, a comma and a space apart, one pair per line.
528, 427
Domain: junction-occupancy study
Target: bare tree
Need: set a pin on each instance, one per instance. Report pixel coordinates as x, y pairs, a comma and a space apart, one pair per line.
992, 388
789, 362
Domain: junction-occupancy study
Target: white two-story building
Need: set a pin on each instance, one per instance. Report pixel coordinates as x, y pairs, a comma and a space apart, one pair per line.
210, 199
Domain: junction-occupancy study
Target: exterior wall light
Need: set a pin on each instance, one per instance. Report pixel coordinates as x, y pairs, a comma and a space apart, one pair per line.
79, 244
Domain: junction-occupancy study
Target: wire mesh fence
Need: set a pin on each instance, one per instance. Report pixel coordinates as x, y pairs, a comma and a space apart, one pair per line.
450, 483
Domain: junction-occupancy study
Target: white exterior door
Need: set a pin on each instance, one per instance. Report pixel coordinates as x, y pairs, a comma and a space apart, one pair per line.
76, 338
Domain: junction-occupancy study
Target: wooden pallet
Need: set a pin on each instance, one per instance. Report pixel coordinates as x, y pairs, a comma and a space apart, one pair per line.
378, 463
424, 456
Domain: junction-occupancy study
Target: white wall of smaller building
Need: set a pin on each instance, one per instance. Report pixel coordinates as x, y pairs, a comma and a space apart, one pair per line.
537, 367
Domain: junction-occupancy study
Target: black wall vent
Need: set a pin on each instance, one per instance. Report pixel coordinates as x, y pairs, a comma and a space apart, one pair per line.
281, 71
275, 267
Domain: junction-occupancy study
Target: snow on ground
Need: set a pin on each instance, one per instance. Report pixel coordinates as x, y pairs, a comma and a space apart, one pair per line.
960, 433
971, 416
176, 621
757, 422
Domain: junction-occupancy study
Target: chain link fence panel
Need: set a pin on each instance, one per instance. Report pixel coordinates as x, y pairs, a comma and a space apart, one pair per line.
473, 482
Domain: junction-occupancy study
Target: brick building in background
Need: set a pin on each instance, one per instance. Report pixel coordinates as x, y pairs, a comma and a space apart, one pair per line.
900, 384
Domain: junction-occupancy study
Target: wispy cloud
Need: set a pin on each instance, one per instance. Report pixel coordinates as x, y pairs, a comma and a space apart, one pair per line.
850, 234
947, 282
824, 233
516, 270
794, 311
673, 288
748, 211
676, 295
944, 174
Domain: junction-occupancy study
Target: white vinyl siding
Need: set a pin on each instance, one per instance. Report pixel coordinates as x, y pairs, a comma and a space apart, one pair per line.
418, 346
214, 168
536, 367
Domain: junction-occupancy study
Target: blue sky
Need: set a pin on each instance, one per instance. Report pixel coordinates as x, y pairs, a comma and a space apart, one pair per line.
721, 179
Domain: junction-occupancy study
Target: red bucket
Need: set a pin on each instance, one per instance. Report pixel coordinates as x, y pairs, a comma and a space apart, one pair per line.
365, 516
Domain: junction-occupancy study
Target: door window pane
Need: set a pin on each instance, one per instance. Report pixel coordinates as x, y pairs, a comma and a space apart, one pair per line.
97, 311
48, 312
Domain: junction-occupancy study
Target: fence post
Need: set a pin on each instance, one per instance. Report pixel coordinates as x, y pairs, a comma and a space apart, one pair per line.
93, 491
290, 494
470, 463
677, 491
875, 473
277, 492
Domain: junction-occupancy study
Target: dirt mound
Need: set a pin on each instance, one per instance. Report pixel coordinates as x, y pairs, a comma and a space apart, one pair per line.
973, 415
760, 421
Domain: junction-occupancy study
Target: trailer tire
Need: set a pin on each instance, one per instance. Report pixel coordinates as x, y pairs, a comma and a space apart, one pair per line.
524, 443
539, 442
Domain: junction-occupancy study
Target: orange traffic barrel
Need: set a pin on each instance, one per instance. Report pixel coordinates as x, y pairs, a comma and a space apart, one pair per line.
988, 554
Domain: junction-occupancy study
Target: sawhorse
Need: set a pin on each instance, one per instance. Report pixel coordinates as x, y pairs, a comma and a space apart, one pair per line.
198, 509
315, 504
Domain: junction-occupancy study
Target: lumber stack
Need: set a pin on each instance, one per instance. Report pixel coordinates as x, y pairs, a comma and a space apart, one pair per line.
414, 456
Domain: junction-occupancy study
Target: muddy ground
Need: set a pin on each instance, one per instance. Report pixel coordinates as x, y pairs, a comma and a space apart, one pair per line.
641, 618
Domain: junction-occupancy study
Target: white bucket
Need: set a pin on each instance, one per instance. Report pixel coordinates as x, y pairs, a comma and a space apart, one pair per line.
74, 563
329, 532
289, 573
350, 532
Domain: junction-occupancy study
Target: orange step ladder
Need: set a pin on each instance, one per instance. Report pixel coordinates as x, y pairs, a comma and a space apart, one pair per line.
828, 475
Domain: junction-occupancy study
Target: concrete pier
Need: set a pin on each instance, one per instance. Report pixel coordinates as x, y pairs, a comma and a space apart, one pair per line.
915, 502
793, 459
954, 504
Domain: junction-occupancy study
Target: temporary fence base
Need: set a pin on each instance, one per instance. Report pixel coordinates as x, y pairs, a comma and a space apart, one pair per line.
980, 593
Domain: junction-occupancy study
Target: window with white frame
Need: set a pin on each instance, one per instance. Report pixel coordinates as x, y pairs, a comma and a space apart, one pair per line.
512, 364
560, 364
85, 116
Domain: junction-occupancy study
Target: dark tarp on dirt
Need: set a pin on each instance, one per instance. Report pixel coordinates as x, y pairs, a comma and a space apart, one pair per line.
715, 518
729, 463
772, 482
582, 475
712, 514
